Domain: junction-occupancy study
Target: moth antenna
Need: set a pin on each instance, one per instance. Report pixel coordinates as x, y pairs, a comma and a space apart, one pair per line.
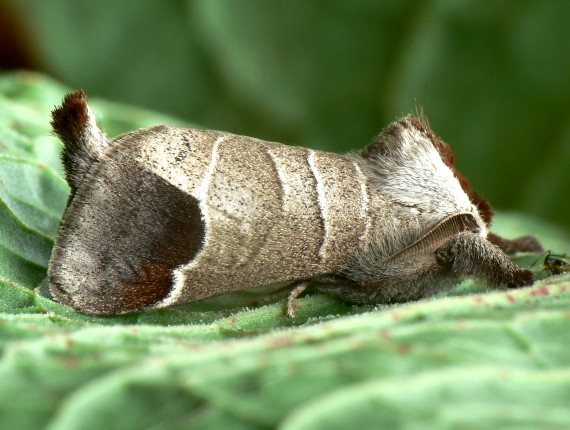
293, 296
83, 143
541, 257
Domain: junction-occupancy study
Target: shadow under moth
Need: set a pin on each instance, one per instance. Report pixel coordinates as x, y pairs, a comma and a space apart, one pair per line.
170, 215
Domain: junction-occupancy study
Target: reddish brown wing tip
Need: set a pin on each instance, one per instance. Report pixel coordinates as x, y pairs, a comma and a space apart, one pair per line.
70, 118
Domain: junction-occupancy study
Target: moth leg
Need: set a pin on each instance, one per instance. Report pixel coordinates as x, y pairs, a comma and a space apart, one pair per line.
520, 244
470, 255
279, 294
293, 295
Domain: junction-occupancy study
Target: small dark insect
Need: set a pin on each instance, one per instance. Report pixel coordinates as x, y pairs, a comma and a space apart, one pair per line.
556, 264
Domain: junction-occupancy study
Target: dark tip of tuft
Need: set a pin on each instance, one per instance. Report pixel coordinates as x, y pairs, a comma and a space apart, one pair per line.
71, 117
83, 142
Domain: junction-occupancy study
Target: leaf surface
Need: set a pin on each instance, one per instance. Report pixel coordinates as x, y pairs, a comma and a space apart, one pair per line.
472, 357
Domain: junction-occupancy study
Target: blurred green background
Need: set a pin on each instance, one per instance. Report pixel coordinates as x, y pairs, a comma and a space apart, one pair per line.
492, 77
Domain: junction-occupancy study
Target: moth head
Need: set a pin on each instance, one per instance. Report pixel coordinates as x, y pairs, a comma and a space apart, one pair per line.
408, 142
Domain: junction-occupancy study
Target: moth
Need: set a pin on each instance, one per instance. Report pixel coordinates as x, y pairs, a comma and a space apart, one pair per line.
168, 215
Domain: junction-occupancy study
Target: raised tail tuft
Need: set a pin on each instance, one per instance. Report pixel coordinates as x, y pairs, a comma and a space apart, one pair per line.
83, 143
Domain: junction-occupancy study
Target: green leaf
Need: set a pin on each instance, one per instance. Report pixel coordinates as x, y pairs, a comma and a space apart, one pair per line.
460, 398
472, 357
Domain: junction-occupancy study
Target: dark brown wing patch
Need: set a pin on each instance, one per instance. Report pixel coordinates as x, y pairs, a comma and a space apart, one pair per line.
167, 232
124, 233
71, 117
